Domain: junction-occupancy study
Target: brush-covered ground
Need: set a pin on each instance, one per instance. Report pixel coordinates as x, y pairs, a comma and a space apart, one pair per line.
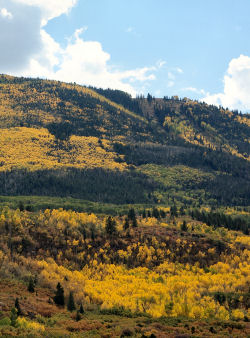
165, 272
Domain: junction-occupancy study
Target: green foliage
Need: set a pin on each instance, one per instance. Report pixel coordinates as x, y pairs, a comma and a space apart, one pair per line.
118, 311
5, 321
219, 219
96, 185
13, 317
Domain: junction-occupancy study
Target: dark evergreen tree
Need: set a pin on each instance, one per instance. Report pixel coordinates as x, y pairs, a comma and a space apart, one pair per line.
18, 308
131, 214
184, 226
182, 211
110, 226
155, 213
71, 303
59, 296
162, 213
21, 206
149, 98
134, 223
31, 286
173, 211
81, 309
93, 232
144, 214
78, 316
126, 224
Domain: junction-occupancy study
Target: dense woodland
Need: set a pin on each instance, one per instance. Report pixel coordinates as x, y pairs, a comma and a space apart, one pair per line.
121, 216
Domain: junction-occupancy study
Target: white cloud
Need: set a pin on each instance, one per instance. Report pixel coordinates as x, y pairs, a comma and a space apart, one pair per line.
28, 50
160, 63
50, 8
4, 13
236, 86
195, 90
20, 37
84, 62
179, 70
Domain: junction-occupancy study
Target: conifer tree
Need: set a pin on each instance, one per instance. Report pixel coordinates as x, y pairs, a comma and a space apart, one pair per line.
81, 309
162, 213
126, 224
59, 296
134, 223
71, 303
78, 316
155, 213
182, 211
31, 286
184, 226
17, 306
131, 214
174, 211
110, 226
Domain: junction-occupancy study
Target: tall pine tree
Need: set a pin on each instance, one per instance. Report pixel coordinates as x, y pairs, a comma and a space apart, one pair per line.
59, 296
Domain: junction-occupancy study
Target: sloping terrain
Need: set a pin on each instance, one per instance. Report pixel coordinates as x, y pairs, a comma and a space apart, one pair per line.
160, 273
62, 139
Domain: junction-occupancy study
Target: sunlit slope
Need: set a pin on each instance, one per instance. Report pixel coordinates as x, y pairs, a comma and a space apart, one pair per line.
67, 109
191, 122
37, 149
66, 140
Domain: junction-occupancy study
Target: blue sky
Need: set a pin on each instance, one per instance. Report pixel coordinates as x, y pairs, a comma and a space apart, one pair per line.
194, 48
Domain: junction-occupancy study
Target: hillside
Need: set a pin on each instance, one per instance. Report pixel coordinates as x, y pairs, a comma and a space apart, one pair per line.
66, 140
157, 273
121, 217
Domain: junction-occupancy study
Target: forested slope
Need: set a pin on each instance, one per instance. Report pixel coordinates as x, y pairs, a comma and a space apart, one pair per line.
61, 139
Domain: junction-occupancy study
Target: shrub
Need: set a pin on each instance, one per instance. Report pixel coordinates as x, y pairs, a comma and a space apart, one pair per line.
5, 321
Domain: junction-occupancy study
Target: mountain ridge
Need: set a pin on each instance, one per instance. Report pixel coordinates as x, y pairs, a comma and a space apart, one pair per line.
69, 131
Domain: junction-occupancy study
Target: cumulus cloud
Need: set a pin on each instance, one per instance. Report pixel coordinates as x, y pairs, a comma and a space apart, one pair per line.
50, 8
84, 62
236, 86
20, 36
28, 50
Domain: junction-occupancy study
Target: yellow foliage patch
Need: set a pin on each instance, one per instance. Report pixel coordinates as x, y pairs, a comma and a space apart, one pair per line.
37, 149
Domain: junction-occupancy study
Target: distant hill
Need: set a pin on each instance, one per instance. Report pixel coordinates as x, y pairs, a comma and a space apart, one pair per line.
61, 139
